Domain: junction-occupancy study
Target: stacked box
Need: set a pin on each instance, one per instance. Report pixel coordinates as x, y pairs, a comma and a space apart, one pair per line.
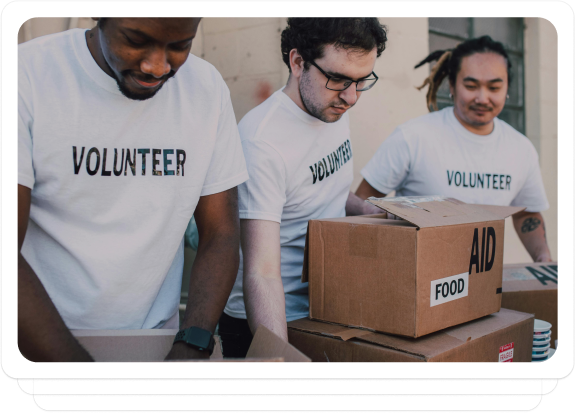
533, 288
505, 336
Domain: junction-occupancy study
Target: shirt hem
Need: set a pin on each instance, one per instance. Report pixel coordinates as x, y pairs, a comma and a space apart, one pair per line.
26, 182
371, 181
225, 185
259, 215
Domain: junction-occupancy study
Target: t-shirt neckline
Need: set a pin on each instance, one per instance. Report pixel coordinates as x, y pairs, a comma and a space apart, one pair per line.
89, 64
463, 132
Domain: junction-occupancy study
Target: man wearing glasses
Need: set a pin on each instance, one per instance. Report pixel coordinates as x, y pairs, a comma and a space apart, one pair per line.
299, 157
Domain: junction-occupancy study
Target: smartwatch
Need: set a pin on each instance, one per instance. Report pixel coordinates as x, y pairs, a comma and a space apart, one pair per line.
198, 338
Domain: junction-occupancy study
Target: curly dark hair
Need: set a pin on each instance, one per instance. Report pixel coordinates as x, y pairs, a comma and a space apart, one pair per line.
449, 61
310, 35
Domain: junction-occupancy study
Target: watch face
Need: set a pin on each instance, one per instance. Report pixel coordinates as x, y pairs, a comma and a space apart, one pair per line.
198, 338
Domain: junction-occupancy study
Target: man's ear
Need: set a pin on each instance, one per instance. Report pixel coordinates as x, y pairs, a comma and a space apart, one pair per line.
296, 63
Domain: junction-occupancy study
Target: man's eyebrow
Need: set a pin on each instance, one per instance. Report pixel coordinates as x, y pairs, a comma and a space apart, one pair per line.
339, 75
471, 79
148, 38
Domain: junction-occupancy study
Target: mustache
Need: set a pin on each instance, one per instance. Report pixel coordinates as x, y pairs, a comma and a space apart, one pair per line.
148, 78
342, 103
482, 107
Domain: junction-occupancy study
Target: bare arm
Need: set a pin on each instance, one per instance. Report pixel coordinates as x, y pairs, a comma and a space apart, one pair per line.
263, 288
356, 206
42, 334
214, 269
531, 230
365, 190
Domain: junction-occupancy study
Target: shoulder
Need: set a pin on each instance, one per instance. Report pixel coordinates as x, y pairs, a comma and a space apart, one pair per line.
198, 74
258, 124
518, 141
429, 120
45, 49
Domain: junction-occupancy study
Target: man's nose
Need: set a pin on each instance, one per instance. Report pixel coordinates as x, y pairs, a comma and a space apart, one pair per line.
482, 97
156, 63
349, 95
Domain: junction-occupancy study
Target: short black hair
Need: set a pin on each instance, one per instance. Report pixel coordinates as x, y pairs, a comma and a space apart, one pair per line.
449, 63
309, 36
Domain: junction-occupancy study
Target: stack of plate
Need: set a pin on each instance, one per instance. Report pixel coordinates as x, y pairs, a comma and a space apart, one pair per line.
541, 340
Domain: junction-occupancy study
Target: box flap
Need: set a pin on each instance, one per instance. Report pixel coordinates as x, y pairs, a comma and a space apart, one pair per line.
426, 348
530, 277
434, 211
266, 344
504, 211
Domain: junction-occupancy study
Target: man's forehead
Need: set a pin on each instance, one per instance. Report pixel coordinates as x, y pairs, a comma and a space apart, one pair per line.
347, 61
160, 28
484, 66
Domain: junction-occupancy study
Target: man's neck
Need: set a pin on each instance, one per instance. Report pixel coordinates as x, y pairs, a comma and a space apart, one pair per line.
476, 129
93, 42
293, 93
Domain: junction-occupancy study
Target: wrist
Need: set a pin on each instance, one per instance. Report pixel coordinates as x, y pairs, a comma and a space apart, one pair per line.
181, 350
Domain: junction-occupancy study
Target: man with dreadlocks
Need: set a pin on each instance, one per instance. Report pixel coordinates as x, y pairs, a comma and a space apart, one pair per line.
464, 151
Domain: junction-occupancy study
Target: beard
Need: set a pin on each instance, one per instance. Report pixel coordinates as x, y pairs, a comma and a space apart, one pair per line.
140, 95
313, 106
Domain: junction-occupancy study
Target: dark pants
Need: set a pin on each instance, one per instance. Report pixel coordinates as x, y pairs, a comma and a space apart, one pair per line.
235, 336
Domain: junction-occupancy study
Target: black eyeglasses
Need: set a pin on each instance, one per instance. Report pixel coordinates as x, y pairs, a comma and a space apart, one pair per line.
340, 84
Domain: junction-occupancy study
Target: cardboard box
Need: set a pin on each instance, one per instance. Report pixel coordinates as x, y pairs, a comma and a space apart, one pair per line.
505, 336
439, 267
152, 345
533, 288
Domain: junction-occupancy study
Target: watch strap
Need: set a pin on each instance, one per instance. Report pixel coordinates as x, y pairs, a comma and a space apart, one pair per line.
198, 338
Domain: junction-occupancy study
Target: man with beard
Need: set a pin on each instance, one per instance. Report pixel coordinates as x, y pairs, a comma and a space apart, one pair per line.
123, 136
299, 157
464, 151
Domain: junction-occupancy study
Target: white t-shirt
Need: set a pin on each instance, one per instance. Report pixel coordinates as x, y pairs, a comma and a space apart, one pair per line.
115, 181
300, 169
435, 154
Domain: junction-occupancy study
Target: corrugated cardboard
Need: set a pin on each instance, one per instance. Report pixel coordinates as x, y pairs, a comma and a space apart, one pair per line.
151, 345
533, 288
134, 345
386, 275
266, 344
505, 335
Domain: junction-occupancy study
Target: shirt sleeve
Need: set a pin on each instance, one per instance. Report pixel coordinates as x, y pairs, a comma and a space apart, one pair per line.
263, 196
532, 194
390, 165
227, 166
26, 175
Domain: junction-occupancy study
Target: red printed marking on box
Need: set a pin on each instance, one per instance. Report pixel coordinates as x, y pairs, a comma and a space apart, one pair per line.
506, 353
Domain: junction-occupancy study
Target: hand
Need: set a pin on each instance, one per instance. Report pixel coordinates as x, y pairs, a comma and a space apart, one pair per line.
182, 351
371, 209
543, 258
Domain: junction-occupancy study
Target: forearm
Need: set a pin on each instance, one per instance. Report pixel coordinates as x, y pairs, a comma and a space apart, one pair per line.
213, 274
42, 334
532, 232
355, 206
265, 303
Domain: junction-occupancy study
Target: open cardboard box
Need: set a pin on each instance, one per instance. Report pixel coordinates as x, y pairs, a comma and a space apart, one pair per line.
150, 345
438, 267
505, 336
533, 288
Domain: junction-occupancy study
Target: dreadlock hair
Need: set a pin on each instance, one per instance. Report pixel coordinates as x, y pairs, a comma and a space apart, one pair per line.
310, 35
449, 61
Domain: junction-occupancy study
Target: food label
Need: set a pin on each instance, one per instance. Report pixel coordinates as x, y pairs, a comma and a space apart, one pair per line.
506, 353
448, 289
